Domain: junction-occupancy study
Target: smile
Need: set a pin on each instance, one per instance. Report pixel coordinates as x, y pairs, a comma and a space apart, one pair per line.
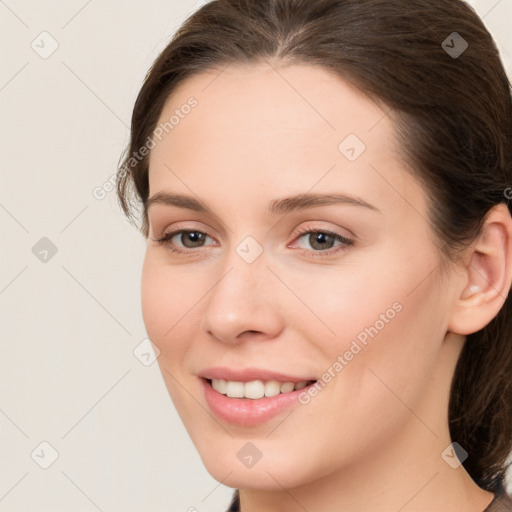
255, 389
251, 406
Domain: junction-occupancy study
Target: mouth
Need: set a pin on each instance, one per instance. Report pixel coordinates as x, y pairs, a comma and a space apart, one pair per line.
256, 389
250, 406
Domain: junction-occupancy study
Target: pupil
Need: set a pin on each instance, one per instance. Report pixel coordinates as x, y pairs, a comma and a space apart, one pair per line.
192, 237
320, 239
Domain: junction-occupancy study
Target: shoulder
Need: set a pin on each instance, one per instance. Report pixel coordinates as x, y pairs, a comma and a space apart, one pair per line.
502, 502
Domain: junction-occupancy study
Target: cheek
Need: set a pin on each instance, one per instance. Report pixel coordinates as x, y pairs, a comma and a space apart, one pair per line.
388, 327
166, 310
339, 304
393, 351
167, 300
154, 300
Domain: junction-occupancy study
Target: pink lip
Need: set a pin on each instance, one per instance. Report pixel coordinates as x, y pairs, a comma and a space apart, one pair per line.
246, 411
248, 374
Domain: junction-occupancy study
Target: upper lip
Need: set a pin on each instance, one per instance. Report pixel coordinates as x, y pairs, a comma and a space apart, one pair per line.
249, 374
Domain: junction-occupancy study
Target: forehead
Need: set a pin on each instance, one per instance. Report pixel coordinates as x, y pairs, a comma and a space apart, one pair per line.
294, 127
304, 105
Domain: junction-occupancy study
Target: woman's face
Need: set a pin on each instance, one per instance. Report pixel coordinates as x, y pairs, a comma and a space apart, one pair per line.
347, 292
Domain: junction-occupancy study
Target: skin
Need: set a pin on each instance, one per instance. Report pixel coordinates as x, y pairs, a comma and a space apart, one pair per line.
372, 438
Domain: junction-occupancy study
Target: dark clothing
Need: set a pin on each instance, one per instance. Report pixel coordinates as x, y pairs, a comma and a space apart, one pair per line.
501, 503
235, 503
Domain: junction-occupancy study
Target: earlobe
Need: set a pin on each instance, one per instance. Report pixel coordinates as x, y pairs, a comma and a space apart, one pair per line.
488, 274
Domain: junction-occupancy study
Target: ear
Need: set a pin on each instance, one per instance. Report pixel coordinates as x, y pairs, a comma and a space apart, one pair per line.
487, 274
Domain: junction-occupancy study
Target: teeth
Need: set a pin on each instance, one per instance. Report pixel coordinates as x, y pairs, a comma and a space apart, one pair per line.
272, 388
286, 387
255, 389
235, 389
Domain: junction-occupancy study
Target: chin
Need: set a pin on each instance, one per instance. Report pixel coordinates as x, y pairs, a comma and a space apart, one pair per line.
271, 474
251, 478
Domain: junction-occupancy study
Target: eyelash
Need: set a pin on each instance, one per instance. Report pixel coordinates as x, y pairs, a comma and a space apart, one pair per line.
346, 242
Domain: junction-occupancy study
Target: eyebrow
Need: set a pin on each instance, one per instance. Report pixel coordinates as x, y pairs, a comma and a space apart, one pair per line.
276, 207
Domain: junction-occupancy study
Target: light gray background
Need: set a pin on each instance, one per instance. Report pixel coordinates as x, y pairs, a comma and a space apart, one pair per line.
69, 325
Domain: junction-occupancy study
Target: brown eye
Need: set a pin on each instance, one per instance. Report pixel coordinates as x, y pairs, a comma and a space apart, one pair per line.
185, 239
191, 239
320, 240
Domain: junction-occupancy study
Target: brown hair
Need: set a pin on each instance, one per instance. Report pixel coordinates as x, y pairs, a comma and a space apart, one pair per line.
452, 114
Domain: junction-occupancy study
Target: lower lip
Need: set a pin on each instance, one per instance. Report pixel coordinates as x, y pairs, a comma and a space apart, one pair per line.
246, 411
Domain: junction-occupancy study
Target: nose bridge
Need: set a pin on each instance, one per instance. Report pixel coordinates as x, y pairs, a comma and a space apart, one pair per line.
240, 300
244, 270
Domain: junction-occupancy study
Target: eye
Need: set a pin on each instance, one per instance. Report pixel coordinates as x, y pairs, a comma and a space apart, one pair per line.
322, 241
189, 238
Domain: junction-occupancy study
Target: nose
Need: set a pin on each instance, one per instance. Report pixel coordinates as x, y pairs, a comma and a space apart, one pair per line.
242, 303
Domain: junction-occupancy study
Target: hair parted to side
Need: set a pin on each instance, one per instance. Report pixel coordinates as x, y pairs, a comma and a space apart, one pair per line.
453, 117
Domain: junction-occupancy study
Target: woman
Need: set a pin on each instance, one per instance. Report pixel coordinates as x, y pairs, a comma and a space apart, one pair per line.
324, 186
